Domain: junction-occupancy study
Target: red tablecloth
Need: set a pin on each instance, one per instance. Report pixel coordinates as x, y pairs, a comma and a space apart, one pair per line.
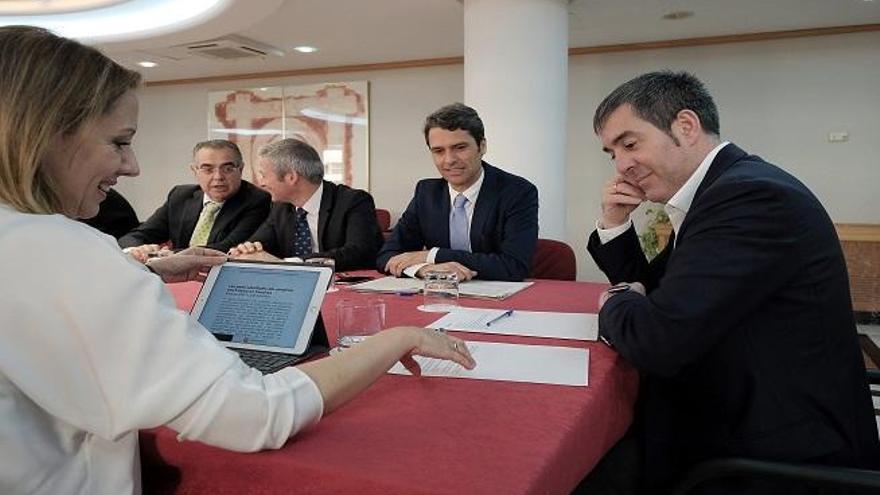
411, 435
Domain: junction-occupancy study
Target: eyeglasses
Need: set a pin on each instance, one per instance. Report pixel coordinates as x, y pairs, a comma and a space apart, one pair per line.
225, 169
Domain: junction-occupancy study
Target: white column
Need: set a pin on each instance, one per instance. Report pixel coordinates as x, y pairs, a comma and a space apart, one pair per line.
516, 77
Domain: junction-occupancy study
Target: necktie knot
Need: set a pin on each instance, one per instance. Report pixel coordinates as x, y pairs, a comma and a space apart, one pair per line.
301, 212
459, 201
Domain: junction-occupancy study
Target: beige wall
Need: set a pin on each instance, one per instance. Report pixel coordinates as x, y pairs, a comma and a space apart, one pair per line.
778, 99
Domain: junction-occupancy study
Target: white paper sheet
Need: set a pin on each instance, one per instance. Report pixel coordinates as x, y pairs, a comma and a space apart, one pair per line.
513, 363
491, 289
574, 326
391, 285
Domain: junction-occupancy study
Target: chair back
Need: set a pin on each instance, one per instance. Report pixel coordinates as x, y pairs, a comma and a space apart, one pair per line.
384, 219
553, 260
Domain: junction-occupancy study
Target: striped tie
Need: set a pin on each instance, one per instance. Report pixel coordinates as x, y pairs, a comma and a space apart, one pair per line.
205, 224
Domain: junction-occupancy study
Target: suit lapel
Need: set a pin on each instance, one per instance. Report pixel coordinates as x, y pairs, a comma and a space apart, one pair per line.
725, 158
484, 207
438, 209
191, 210
286, 228
228, 212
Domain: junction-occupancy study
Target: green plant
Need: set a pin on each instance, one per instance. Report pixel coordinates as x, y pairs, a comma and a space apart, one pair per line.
648, 238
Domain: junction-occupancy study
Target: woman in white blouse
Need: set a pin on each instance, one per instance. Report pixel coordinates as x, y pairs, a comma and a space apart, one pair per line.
93, 347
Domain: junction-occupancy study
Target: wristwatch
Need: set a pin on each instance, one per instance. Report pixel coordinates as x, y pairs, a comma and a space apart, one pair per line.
618, 288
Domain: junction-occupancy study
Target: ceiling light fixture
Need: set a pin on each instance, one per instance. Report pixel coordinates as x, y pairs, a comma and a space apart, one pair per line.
43, 7
131, 19
147, 64
305, 49
678, 15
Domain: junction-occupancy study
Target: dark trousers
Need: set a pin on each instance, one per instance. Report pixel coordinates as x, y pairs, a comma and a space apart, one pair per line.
619, 472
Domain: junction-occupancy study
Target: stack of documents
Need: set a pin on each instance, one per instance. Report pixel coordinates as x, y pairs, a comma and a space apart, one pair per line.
472, 288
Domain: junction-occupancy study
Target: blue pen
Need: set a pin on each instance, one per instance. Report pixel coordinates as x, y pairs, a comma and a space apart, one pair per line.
505, 314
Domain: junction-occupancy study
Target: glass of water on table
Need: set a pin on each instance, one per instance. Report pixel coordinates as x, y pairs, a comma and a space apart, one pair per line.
440, 292
357, 319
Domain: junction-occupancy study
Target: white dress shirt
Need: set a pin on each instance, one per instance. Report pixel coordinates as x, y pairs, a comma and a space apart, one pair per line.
313, 209
94, 348
677, 206
206, 199
471, 193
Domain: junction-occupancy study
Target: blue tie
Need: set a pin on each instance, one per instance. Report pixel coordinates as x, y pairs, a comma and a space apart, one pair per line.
302, 238
459, 237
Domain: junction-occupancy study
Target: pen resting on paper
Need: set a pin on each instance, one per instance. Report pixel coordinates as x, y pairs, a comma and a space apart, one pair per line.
505, 314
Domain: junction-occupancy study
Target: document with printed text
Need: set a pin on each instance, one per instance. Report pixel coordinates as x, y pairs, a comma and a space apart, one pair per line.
513, 363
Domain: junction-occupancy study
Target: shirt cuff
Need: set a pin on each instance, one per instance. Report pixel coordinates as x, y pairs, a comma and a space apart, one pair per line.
432, 255
307, 397
607, 235
411, 271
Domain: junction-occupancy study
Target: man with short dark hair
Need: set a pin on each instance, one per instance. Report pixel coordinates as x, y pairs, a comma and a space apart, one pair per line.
220, 212
742, 326
311, 217
478, 220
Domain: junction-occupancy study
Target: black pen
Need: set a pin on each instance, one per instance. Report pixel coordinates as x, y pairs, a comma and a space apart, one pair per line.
505, 314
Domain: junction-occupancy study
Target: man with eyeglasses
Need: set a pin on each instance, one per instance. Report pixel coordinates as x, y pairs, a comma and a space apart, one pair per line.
220, 212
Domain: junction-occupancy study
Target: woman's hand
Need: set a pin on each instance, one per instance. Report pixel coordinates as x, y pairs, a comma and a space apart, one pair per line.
142, 252
435, 344
344, 375
190, 264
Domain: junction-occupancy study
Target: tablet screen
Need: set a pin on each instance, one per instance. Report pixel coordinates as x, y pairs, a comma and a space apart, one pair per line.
261, 306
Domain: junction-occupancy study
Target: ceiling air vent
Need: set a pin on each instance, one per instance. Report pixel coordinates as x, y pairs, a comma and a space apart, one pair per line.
232, 48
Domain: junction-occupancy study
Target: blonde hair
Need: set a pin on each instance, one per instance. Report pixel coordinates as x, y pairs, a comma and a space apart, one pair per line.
49, 87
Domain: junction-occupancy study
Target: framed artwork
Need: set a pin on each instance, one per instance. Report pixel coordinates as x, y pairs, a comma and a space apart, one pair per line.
331, 117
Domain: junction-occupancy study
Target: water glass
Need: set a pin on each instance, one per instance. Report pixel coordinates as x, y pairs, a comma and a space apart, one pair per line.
441, 291
356, 319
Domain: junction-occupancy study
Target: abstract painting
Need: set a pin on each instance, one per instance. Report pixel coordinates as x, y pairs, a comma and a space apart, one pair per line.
332, 117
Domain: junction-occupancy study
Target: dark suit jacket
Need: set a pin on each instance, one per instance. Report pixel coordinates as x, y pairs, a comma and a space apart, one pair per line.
175, 220
746, 339
347, 228
504, 228
116, 216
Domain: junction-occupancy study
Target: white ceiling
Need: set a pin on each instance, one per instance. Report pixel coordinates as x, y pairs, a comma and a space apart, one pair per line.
349, 32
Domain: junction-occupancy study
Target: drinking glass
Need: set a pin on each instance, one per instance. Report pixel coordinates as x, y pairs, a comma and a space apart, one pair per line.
441, 291
356, 319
